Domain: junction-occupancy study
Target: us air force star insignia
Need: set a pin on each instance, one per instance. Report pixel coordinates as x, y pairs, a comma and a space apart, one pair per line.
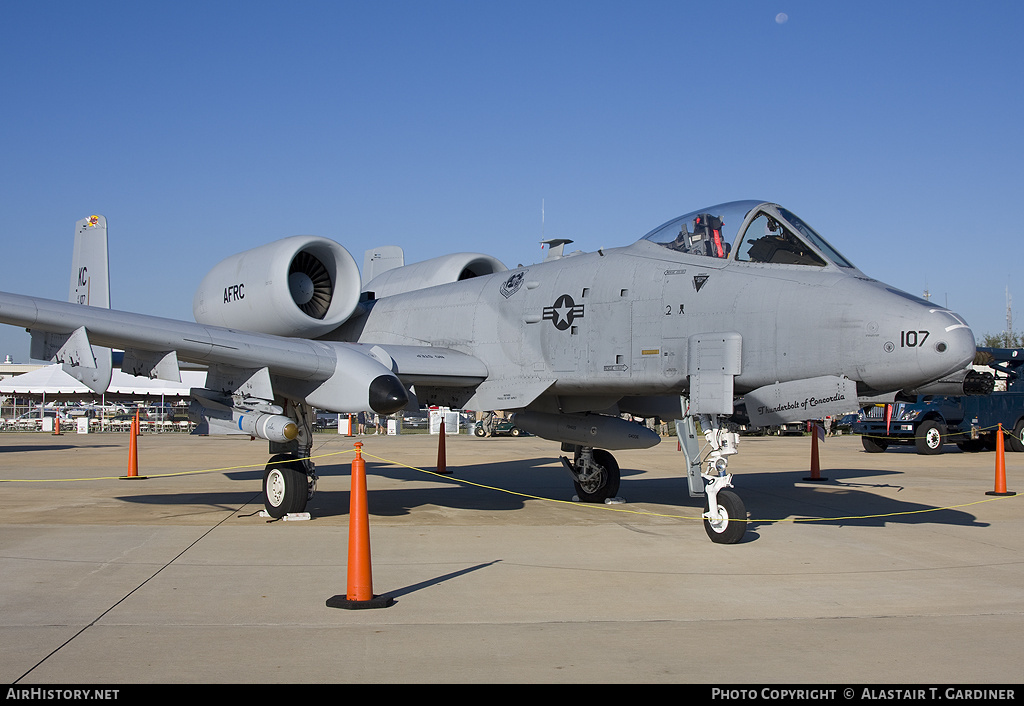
564, 312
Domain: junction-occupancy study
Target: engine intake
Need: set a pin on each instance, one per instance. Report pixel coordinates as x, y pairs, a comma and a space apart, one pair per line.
299, 286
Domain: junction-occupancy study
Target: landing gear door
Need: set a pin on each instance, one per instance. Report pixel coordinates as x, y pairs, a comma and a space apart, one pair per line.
713, 361
686, 432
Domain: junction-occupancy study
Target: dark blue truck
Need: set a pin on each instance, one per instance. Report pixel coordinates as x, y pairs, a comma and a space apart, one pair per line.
970, 420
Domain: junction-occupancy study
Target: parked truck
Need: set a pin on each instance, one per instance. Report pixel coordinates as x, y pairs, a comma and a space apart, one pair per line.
970, 420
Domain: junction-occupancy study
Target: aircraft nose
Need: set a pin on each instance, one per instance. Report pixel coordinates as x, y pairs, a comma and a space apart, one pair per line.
952, 349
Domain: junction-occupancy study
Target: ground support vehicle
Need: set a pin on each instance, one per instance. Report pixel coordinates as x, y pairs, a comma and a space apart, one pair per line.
502, 427
970, 421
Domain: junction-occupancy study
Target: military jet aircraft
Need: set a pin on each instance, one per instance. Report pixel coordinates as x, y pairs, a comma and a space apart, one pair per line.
742, 299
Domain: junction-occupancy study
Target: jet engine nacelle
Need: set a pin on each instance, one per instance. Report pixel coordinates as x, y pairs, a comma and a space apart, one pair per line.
302, 286
429, 273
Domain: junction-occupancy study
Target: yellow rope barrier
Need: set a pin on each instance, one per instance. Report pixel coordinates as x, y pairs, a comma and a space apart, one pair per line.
965, 434
611, 508
608, 508
168, 475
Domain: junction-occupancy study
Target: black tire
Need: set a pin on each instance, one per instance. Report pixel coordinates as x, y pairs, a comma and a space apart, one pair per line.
607, 486
479, 431
731, 529
874, 445
1015, 442
285, 486
515, 432
929, 437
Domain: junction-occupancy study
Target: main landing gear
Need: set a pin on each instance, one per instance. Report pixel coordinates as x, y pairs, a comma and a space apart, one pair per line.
595, 473
288, 483
289, 480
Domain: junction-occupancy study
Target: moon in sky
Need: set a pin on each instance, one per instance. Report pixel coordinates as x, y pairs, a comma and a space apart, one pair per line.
781, 18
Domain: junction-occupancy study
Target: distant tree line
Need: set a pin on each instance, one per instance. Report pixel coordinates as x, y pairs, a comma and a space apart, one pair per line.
1003, 339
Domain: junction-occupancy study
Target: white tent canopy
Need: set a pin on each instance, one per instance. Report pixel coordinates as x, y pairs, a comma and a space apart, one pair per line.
52, 380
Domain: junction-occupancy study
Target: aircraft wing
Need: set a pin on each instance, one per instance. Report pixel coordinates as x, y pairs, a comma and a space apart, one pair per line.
329, 375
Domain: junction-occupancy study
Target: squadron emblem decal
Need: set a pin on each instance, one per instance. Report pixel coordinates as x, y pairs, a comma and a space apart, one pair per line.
512, 284
699, 281
564, 312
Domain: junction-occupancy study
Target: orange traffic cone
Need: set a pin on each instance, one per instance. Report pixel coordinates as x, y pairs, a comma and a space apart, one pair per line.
56, 426
1000, 488
360, 573
442, 456
133, 452
815, 467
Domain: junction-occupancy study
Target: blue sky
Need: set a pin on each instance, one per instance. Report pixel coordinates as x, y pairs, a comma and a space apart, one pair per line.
203, 129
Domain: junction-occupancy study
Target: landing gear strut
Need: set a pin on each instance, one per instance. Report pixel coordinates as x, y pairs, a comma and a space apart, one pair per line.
725, 517
289, 480
595, 473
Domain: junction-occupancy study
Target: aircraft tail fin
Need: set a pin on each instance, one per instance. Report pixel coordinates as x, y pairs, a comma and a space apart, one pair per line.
90, 286
90, 271
381, 259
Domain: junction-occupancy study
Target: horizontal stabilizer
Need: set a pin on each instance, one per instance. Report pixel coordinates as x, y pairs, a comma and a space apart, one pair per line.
799, 400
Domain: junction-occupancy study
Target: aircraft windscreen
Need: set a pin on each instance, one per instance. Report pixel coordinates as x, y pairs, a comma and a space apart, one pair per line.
773, 235
818, 242
767, 239
709, 231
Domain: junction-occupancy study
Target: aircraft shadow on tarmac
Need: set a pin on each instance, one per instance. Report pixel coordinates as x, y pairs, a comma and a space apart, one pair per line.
844, 499
55, 447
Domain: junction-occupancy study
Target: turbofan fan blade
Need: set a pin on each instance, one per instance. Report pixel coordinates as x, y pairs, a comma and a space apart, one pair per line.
323, 288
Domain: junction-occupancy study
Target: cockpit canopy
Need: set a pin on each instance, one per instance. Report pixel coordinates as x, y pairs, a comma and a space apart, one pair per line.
748, 231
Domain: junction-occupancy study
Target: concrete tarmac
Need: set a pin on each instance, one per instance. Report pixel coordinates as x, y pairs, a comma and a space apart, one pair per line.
177, 579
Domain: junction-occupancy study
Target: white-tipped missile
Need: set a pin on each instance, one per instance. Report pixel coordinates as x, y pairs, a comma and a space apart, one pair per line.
595, 430
272, 427
219, 419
